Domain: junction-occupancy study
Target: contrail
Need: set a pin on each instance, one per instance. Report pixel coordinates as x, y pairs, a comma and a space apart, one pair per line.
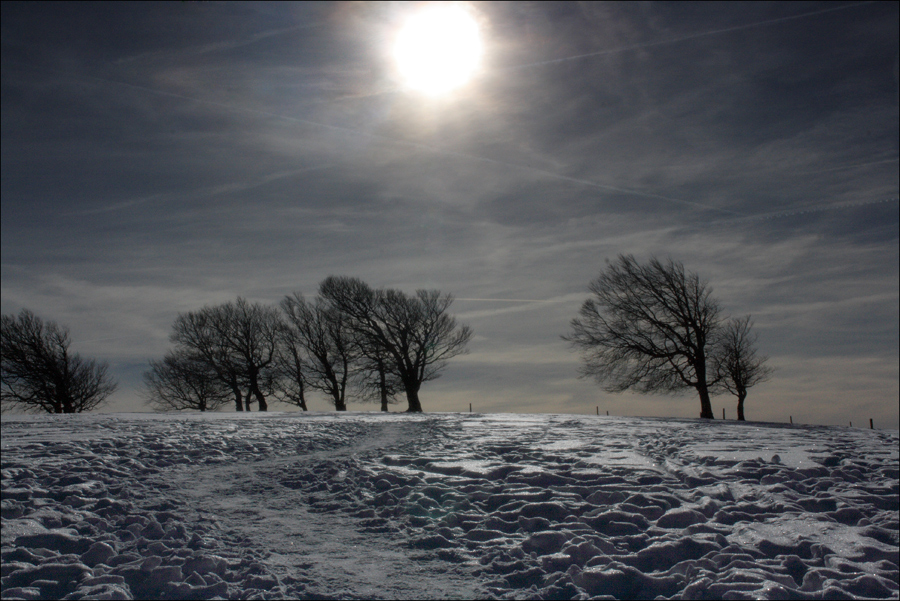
215, 47
853, 166
513, 300
820, 208
112, 338
208, 191
582, 182
687, 37
804, 210
413, 145
634, 46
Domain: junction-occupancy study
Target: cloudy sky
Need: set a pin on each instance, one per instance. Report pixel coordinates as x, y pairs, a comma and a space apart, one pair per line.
160, 157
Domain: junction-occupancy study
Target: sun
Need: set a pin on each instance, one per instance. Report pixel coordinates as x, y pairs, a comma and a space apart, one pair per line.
438, 49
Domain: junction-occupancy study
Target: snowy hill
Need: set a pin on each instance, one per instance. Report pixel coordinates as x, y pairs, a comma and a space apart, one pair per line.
360, 505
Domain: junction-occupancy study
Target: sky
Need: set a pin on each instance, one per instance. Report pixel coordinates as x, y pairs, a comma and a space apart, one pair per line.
160, 157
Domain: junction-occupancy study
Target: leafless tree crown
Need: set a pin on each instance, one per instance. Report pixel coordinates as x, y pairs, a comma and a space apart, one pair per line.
738, 365
184, 381
351, 341
329, 349
40, 374
413, 335
238, 341
291, 371
648, 327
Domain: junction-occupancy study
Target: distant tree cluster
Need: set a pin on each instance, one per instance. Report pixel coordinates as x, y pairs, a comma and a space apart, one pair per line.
651, 327
38, 373
350, 342
656, 328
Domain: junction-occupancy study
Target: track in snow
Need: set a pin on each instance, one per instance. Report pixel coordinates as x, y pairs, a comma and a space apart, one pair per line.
362, 505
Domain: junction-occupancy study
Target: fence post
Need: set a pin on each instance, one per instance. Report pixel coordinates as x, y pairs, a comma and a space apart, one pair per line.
607, 412
723, 412
871, 425
598, 409
470, 407
792, 420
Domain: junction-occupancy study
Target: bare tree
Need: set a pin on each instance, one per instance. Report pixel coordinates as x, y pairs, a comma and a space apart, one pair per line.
376, 379
195, 334
414, 332
738, 366
291, 369
648, 328
331, 351
249, 334
238, 340
38, 373
184, 381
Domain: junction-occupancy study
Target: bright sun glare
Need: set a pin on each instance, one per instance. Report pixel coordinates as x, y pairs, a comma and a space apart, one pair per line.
438, 49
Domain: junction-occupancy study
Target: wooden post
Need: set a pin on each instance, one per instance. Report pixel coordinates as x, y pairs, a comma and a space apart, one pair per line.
871, 425
598, 409
792, 419
723, 412
607, 412
470, 407
851, 424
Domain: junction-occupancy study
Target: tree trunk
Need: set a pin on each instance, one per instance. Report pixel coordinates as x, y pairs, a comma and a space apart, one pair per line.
706, 411
238, 399
412, 396
255, 391
335, 391
263, 406
740, 408
67, 405
702, 386
302, 389
382, 383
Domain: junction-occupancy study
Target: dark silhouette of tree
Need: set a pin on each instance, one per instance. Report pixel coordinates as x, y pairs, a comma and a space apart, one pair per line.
290, 372
738, 366
38, 373
184, 381
376, 380
415, 333
238, 340
324, 334
648, 328
195, 334
250, 335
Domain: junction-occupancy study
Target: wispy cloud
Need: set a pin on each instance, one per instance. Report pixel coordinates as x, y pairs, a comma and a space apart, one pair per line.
223, 46
204, 192
693, 36
152, 166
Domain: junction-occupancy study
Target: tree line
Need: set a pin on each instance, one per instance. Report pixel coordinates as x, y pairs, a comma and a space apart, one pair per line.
350, 342
652, 328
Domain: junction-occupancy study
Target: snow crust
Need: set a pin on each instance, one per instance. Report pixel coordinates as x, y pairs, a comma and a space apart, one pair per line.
370, 505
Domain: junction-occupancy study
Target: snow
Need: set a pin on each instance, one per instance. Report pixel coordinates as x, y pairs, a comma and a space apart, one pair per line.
370, 505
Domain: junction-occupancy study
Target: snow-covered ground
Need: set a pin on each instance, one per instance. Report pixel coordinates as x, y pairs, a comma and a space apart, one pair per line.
360, 505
